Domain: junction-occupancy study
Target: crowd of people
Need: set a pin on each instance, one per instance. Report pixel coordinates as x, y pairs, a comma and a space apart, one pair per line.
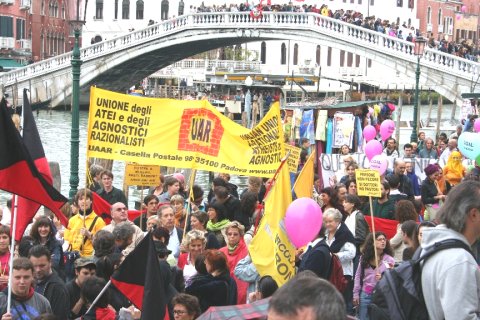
402, 30
59, 271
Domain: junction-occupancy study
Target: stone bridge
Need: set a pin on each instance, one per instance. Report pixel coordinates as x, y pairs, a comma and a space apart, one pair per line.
118, 63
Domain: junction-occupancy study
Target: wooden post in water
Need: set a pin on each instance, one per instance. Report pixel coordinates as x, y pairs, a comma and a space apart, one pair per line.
430, 106
439, 116
399, 115
454, 110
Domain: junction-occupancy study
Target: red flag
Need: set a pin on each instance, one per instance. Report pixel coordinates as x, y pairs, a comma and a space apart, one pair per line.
387, 226
27, 209
18, 173
101, 207
139, 279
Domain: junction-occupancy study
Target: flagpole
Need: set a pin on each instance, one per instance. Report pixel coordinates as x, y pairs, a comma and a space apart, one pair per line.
373, 232
99, 296
12, 251
14, 234
269, 187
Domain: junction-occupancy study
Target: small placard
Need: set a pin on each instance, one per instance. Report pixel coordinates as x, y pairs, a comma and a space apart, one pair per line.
142, 175
368, 183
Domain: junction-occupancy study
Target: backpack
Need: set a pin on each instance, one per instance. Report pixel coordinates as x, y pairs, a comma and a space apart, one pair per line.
398, 295
336, 274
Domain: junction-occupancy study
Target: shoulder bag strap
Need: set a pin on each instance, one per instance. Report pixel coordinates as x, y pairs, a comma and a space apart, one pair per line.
89, 230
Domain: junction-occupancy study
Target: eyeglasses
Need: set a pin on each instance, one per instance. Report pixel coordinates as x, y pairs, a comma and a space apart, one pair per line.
121, 209
179, 312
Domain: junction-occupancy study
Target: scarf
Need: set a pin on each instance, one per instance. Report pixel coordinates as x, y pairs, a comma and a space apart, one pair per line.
27, 297
217, 226
232, 249
85, 213
342, 236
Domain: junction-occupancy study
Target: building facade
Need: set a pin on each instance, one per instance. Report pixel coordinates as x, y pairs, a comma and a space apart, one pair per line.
15, 43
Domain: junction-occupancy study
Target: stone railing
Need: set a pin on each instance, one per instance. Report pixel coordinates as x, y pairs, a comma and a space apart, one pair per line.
248, 27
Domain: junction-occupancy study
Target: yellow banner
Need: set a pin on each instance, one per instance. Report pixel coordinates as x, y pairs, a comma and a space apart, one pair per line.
368, 183
294, 157
141, 175
272, 252
181, 133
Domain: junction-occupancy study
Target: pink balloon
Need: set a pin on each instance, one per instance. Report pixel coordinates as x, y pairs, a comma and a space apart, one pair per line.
379, 163
459, 17
370, 111
373, 148
387, 128
303, 221
369, 132
476, 125
464, 9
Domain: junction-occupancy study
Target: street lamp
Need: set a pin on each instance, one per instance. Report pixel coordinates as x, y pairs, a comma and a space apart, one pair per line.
418, 52
76, 14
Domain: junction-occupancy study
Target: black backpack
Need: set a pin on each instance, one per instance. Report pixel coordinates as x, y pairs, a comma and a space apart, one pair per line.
398, 295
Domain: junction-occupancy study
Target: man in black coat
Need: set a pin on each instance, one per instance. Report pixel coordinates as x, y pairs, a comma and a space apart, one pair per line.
49, 284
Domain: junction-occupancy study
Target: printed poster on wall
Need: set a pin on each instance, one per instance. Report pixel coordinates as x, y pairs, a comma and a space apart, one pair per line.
343, 128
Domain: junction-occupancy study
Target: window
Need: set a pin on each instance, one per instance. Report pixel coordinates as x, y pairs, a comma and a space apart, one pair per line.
115, 14
400, 3
99, 9
369, 64
139, 10
55, 9
429, 15
372, 2
317, 56
283, 54
357, 61
20, 31
126, 9
263, 52
439, 16
342, 58
63, 11
359, 1
295, 54
411, 4
42, 8
329, 56
6, 26
349, 59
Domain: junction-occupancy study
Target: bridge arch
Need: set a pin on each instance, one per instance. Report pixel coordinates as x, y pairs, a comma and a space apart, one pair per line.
117, 63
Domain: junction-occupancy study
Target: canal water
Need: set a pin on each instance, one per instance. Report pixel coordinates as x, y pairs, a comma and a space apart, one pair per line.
54, 129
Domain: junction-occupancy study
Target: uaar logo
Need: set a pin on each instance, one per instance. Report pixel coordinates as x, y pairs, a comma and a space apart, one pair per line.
201, 130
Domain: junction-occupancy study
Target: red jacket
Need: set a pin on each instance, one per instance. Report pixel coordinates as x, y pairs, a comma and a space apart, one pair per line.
240, 252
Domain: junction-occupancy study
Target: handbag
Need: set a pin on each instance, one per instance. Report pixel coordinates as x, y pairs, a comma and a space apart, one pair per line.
70, 255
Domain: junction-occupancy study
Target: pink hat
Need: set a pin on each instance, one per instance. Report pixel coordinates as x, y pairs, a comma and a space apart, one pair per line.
179, 177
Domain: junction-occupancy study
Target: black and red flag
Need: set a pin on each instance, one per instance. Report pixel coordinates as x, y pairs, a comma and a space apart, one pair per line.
18, 173
27, 209
139, 279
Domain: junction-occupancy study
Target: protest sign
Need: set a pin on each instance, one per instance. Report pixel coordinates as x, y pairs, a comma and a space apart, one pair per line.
181, 133
141, 175
368, 183
294, 157
333, 166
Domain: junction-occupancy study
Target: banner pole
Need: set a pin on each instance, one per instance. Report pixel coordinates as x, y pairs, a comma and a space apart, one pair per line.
141, 202
190, 196
99, 296
269, 187
373, 232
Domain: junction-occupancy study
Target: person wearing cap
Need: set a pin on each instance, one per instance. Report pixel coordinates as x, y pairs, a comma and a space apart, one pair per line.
84, 269
431, 196
119, 213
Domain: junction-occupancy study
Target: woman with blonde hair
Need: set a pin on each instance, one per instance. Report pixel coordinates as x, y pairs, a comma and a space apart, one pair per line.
194, 242
236, 250
454, 171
